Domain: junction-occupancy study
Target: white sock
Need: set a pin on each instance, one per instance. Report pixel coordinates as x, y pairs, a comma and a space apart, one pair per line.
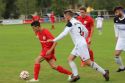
74, 68
97, 67
119, 62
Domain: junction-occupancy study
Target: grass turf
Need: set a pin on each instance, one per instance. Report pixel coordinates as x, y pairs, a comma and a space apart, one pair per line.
19, 47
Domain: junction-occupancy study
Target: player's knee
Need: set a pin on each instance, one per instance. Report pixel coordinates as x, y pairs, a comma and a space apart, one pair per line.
117, 53
69, 59
53, 67
37, 60
88, 62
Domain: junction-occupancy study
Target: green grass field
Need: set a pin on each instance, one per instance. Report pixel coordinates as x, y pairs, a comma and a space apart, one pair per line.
19, 47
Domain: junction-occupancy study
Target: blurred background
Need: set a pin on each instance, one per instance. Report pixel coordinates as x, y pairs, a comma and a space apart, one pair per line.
23, 9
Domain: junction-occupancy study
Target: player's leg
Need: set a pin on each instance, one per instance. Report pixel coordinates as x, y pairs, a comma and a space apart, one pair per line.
100, 30
90, 53
73, 66
58, 68
99, 27
120, 46
119, 61
86, 57
53, 27
36, 68
95, 66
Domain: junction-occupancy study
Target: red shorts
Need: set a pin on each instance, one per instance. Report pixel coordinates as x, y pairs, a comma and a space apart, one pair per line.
52, 21
48, 57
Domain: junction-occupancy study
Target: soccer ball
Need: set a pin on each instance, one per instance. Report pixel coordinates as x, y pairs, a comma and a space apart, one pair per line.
24, 75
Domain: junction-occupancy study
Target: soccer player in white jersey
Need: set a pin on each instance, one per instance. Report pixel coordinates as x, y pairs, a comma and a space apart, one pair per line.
76, 29
119, 27
99, 23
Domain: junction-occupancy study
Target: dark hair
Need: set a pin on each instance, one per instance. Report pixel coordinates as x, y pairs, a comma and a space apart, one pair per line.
69, 12
35, 24
118, 8
82, 8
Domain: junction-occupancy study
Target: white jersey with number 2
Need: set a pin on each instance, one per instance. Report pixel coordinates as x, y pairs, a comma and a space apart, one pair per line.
76, 29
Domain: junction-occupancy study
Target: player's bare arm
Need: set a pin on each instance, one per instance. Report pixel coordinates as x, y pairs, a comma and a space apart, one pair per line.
51, 49
91, 32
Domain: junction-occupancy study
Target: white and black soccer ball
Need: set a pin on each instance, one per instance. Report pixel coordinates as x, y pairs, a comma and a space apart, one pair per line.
24, 75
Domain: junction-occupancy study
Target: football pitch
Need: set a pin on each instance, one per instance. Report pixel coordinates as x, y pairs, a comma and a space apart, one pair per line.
19, 47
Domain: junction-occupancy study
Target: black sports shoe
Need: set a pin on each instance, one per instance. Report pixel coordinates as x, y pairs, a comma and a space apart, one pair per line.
120, 70
106, 75
74, 78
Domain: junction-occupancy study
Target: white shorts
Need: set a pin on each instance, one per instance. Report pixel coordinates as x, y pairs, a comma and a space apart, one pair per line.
99, 25
120, 44
81, 50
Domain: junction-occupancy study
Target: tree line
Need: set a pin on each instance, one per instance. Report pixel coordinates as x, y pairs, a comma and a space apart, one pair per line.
14, 8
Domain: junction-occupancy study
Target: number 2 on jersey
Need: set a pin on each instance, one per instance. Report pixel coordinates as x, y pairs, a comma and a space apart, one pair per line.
80, 31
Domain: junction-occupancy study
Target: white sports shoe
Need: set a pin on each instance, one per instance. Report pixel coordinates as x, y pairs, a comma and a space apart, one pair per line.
33, 80
69, 77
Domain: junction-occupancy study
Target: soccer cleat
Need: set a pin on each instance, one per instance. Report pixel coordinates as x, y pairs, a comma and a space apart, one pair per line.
106, 75
74, 78
120, 70
33, 80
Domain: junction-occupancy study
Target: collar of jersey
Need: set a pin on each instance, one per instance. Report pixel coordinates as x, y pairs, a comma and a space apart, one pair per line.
122, 18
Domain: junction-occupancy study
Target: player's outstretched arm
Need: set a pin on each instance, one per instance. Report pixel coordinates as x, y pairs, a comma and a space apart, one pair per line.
92, 30
63, 34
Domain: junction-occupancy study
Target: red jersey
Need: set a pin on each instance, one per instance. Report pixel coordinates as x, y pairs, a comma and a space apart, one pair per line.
43, 36
52, 18
36, 18
87, 21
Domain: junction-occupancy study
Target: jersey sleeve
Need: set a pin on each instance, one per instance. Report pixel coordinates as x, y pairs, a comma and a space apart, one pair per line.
49, 35
116, 30
64, 33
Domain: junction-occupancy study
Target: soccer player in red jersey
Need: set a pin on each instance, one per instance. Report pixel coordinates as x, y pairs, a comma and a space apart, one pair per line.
47, 52
36, 17
52, 19
89, 24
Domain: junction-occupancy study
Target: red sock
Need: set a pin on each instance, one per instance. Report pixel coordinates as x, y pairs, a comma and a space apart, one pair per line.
91, 55
62, 70
36, 71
